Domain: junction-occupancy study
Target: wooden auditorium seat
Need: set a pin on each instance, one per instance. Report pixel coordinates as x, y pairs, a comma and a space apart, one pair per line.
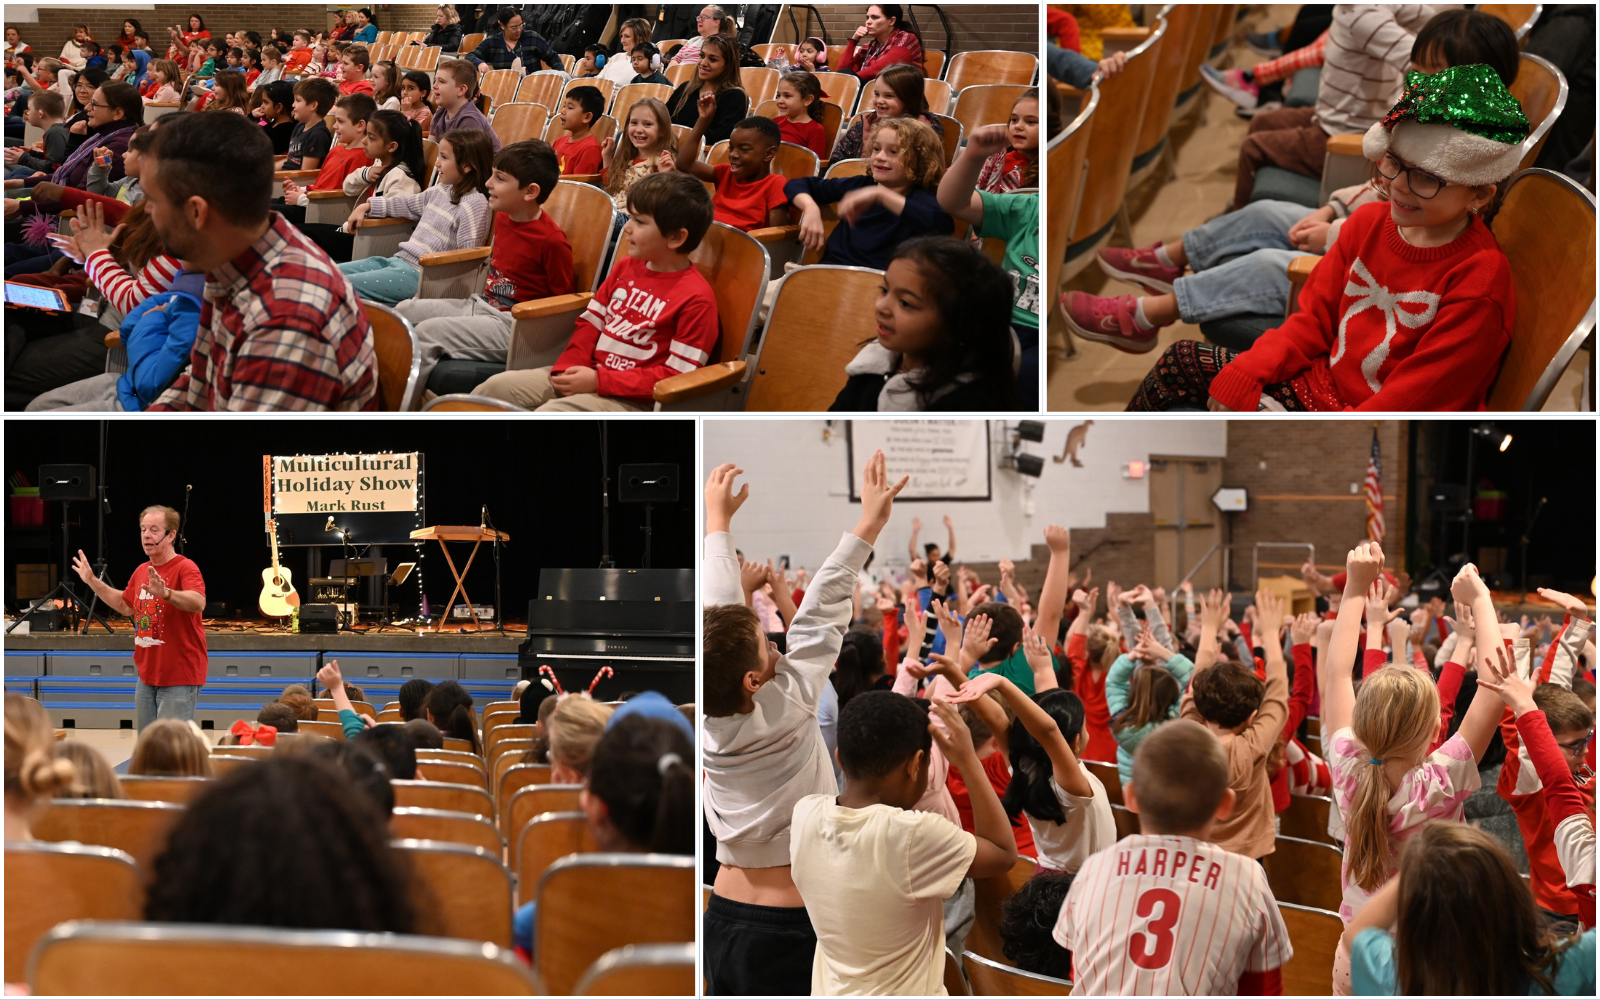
508, 754
1519, 16
1152, 149
985, 104
495, 717
736, 265
499, 86
254, 751
138, 959
515, 121
1315, 935
454, 756
1305, 873
991, 892
955, 133
452, 773
543, 88
139, 828
469, 43
1307, 818
607, 88
680, 73
466, 890
508, 783
933, 62
47, 884
842, 90
820, 316
543, 840
955, 981
632, 93
221, 765
592, 903
1127, 821
163, 789
462, 402
992, 978
1222, 31
411, 823
509, 731
759, 83
1109, 777
641, 970
1190, 86
453, 743
1541, 89
790, 160
528, 801
399, 365
332, 730
1065, 161
991, 66
359, 707
436, 795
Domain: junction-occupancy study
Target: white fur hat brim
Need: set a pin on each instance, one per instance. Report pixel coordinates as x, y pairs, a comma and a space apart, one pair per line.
1447, 152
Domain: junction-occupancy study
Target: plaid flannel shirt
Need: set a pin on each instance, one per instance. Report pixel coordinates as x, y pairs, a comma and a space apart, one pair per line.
532, 49
281, 329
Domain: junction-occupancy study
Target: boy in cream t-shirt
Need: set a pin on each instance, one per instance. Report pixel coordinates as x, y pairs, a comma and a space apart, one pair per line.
872, 871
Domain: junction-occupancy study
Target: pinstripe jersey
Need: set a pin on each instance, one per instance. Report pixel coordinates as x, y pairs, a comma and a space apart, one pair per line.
1154, 915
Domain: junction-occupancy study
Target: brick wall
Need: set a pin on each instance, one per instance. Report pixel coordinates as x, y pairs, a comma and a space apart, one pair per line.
974, 26
1302, 494
55, 23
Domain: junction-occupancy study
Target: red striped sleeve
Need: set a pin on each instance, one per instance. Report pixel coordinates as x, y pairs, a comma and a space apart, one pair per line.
123, 290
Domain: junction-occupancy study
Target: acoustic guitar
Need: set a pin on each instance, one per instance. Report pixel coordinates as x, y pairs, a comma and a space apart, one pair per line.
278, 595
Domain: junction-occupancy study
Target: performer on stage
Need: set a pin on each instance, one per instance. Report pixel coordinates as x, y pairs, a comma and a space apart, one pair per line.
164, 597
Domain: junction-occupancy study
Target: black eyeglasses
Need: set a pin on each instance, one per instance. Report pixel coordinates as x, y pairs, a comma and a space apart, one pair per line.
92, 103
1422, 184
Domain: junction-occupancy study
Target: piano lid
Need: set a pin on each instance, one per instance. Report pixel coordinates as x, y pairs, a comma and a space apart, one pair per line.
662, 585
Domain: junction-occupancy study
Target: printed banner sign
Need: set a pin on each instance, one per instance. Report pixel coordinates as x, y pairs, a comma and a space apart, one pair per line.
946, 459
329, 484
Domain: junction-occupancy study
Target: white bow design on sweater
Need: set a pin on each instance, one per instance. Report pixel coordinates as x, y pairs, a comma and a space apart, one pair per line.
1371, 295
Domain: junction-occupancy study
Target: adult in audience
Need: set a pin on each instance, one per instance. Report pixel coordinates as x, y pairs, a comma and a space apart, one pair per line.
33, 772
179, 50
885, 39
619, 68
717, 71
282, 329
344, 28
165, 597
712, 20
130, 28
366, 32
96, 779
15, 46
445, 33
514, 46
289, 841
72, 52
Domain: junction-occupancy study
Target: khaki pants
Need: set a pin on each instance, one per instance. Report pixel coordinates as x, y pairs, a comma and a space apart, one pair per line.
530, 389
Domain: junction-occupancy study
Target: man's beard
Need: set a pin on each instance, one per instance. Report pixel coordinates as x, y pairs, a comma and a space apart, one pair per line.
179, 239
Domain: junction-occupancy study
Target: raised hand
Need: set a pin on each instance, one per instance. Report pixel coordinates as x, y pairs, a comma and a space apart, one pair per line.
1378, 613
1462, 622
941, 574
80, 564
1008, 569
1214, 608
1036, 651
706, 105
1468, 586
721, 502
1269, 616
988, 140
952, 735
1363, 565
977, 687
330, 676
981, 595
1086, 600
1499, 674
1113, 597
752, 576
1303, 628
975, 642
1140, 595
1565, 601
916, 524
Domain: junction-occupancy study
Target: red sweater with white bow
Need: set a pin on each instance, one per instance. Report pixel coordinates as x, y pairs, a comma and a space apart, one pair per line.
1384, 325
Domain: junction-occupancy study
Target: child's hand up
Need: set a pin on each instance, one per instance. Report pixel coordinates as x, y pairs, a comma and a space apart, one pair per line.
1036, 651
877, 498
977, 687
330, 677
1362, 565
1567, 602
952, 735
707, 106
1499, 674
1468, 586
1303, 628
665, 161
976, 642
988, 140
752, 576
721, 502
1058, 538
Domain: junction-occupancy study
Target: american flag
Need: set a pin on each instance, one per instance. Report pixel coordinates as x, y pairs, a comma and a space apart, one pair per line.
1372, 487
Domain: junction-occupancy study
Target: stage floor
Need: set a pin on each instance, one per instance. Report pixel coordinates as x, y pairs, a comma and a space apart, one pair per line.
224, 636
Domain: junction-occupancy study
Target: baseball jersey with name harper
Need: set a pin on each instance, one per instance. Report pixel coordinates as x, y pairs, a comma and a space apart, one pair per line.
1160, 915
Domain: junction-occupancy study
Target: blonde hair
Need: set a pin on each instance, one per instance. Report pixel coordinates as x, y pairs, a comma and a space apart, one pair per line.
626, 153
96, 779
168, 747
575, 728
1103, 647
1396, 714
169, 515
33, 771
921, 150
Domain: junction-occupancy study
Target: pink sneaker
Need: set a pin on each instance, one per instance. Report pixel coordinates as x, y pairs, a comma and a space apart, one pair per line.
1107, 321
1139, 267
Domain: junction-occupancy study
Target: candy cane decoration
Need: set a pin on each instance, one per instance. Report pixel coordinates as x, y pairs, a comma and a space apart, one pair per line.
547, 671
603, 674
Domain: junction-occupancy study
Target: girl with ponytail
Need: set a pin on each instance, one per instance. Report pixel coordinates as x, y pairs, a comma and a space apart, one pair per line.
1386, 784
33, 772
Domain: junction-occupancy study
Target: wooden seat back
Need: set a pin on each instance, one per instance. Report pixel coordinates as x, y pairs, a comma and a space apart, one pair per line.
47, 884
1109, 777
592, 903
991, 893
1183, 20
1110, 155
933, 61
436, 795
1546, 229
855, 167
992, 978
1307, 818
735, 266
453, 757
466, 890
607, 88
222, 765
991, 66
759, 83
543, 840
517, 731
679, 74
1315, 934
1305, 873
411, 823
641, 970
360, 707
936, 93
139, 828
579, 210
508, 754
399, 364
1541, 89
523, 802
633, 93
456, 743
819, 320
494, 718
332, 730
543, 88
842, 90
1519, 16
253, 751
470, 43
1127, 821
452, 773
986, 104
160, 788
790, 160
135, 959
500, 86
515, 121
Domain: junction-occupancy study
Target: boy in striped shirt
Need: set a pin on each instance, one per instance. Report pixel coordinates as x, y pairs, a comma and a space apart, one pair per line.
1167, 912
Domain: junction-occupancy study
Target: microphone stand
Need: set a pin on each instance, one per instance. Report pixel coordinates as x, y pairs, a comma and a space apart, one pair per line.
487, 524
1527, 534
102, 508
344, 547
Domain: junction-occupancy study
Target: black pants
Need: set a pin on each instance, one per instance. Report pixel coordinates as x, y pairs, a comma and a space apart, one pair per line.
45, 352
757, 950
335, 244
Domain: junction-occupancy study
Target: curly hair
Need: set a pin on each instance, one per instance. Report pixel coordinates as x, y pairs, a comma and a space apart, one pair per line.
881, 730
1227, 693
286, 842
921, 151
1028, 921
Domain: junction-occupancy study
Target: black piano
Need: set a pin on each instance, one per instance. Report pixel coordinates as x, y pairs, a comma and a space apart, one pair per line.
638, 622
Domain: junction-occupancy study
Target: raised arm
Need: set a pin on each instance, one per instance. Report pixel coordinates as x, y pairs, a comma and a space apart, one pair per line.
1362, 566
1053, 595
331, 678
781, 594
1064, 763
957, 191
911, 547
1493, 656
1039, 661
997, 845
689, 148
720, 582
1267, 726
950, 532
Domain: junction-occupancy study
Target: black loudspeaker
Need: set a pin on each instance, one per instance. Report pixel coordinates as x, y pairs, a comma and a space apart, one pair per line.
66, 482
319, 618
1448, 498
647, 483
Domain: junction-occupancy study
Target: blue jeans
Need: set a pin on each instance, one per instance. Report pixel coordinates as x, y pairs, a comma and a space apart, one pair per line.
175, 701
382, 279
1257, 283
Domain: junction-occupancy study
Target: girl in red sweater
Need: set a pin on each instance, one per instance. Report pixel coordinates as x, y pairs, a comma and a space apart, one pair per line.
1413, 307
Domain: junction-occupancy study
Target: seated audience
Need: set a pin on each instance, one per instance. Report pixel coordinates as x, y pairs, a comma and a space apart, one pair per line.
96, 778
171, 748
33, 772
716, 73
885, 39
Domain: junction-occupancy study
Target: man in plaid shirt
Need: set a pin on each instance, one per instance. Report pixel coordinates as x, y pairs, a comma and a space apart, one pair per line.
281, 328
513, 43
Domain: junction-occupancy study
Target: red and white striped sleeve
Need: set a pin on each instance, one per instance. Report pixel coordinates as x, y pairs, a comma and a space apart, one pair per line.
123, 290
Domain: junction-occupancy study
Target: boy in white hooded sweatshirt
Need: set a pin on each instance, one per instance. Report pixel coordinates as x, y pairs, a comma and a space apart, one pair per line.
763, 748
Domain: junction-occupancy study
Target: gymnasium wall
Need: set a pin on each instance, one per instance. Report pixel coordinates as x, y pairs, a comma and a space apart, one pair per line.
974, 26
47, 28
799, 500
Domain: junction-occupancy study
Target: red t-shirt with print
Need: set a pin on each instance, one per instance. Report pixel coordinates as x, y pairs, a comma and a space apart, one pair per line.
581, 157
169, 644
745, 205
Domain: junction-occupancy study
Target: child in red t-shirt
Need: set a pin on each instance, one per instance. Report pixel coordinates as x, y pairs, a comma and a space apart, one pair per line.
798, 94
653, 318
353, 68
349, 153
579, 151
531, 260
748, 194
299, 55
993, 756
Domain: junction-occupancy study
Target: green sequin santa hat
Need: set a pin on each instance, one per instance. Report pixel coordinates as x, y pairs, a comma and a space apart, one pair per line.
1462, 125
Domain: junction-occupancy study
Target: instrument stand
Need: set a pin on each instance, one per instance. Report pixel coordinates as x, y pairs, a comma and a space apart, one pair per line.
64, 589
499, 612
647, 529
388, 621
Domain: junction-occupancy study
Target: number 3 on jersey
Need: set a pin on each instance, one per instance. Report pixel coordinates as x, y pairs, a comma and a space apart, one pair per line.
1154, 951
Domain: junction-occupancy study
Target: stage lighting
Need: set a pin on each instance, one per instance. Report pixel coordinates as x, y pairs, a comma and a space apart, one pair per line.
1031, 430
1029, 465
1505, 442
1492, 432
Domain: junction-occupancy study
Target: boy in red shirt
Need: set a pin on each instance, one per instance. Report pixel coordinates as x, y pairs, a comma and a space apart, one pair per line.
353, 67
298, 57
748, 194
579, 151
349, 154
654, 317
531, 260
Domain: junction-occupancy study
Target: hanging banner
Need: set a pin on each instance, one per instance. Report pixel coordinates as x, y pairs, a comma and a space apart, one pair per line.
343, 484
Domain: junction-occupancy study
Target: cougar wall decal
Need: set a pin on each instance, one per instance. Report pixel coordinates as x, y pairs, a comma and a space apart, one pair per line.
1075, 440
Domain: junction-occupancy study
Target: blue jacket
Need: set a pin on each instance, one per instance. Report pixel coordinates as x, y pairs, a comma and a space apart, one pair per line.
158, 335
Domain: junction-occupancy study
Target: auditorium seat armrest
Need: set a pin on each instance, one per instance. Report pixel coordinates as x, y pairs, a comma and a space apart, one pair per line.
1116, 40
1346, 145
327, 195
295, 175
1299, 271
553, 305
114, 339
369, 222
678, 388
454, 256
774, 234
163, 105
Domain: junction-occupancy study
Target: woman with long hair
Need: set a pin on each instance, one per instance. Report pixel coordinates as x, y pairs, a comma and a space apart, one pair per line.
619, 67
716, 72
886, 38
